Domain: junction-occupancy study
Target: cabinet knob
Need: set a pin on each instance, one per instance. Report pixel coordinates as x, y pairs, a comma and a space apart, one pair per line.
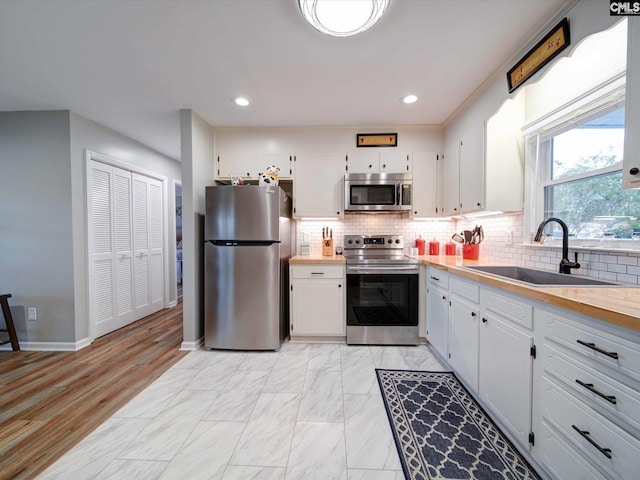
339, 285
337, 213
478, 204
473, 314
415, 212
384, 166
444, 297
484, 320
370, 165
634, 171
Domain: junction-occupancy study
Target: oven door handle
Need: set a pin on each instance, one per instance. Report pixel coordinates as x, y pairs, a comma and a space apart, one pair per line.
391, 270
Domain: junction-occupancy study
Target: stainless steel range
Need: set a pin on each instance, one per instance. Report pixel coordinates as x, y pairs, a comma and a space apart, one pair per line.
382, 291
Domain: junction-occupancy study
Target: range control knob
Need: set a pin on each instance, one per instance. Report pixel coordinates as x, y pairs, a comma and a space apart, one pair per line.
357, 242
389, 241
349, 241
397, 240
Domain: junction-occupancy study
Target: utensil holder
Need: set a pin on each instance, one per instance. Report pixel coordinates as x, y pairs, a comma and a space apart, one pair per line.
327, 247
470, 251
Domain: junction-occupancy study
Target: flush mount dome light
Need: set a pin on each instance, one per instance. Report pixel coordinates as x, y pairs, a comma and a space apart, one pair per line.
241, 101
409, 99
342, 18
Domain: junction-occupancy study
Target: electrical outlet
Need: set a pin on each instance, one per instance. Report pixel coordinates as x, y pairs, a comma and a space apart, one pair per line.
32, 313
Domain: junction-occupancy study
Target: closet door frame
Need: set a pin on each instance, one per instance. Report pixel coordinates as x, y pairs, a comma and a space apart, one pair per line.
90, 155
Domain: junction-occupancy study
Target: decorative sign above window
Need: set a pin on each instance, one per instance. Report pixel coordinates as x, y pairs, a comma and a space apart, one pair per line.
545, 50
377, 140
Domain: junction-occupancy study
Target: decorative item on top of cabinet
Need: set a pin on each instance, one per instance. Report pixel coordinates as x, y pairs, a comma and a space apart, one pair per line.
318, 185
249, 165
378, 162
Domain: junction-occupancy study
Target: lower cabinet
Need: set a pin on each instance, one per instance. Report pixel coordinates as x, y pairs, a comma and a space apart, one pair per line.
464, 315
438, 311
317, 300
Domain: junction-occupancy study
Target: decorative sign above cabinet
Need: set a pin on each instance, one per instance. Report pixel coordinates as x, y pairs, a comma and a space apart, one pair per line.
546, 49
377, 140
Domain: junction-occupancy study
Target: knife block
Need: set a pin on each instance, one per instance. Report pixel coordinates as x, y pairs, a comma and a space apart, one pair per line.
327, 247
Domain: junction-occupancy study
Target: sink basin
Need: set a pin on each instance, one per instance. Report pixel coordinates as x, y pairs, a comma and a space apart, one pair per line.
542, 277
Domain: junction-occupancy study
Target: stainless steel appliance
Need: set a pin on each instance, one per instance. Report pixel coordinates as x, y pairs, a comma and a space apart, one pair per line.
247, 233
377, 192
382, 291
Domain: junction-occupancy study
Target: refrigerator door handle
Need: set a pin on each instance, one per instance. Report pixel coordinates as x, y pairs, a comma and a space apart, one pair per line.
241, 243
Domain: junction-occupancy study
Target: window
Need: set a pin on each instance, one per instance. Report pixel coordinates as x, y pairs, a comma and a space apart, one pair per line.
580, 177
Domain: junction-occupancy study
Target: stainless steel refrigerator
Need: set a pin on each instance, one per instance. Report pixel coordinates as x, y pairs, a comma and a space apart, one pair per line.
248, 238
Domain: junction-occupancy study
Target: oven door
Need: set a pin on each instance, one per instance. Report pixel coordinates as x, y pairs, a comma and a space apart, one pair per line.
382, 305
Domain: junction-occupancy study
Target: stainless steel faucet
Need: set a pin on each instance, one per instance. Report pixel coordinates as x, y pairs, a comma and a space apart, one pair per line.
565, 264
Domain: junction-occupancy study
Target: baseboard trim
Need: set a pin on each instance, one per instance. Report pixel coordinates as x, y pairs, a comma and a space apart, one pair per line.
51, 346
191, 346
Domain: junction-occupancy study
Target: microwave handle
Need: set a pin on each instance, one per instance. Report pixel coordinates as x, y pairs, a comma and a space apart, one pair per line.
398, 194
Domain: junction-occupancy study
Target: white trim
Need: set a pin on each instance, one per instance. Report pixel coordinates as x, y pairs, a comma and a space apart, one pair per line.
581, 176
51, 346
174, 287
190, 346
173, 303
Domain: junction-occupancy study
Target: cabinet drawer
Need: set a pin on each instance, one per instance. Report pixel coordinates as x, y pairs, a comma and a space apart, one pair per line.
515, 310
599, 440
562, 460
570, 370
468, 290
437, 277
317, 270
602, 348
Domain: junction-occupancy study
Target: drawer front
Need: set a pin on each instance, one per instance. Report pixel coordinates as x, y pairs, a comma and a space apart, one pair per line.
567, 414
605, 349
515, 310
438, 277
561, 459
467, 290
317, 270
601, 389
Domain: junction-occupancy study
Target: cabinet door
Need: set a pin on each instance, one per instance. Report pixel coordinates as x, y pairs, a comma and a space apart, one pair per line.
438, 319
424, 185
472, 179
363, 162
318, 185
506, 373
250, 165
317, 307
631, 162
394, 162
451, 180
463, 340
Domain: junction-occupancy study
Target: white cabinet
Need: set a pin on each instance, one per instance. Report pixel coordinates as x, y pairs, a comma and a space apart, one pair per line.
317, 301
631, 167
506, 361
463, 330
472, 174
378, 162
318, 185
250, 165
425, 175
450, 179
437, 310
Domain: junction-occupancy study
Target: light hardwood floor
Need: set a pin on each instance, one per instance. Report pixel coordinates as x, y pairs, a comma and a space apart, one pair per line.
49, 401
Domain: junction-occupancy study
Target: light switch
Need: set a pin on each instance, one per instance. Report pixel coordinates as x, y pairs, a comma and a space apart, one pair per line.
32, 313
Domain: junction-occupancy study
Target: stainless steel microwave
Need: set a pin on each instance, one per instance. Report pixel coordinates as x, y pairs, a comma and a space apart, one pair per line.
377, 192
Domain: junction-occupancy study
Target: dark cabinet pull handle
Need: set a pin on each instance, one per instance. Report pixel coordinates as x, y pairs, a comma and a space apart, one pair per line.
435, 278
634, 171
484, 320
591, 388
473, 314
593, 346
605, 451
444, 297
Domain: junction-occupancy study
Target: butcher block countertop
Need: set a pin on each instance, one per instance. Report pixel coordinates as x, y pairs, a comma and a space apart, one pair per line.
302, 259
616, 305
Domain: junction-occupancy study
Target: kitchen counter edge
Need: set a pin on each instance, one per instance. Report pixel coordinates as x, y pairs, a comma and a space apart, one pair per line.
304, 259
616, 305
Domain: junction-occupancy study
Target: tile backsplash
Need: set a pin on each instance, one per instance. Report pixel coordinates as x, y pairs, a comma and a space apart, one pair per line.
503, 242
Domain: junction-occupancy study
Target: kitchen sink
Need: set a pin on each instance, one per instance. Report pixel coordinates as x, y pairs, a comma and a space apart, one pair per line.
542, 278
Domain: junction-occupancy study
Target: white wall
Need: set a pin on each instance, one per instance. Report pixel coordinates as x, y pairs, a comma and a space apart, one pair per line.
36, 257
196, 138
87, 134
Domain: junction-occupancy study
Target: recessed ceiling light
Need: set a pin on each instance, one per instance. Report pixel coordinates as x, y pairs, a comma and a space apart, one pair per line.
243, 102
342, 18
409, 99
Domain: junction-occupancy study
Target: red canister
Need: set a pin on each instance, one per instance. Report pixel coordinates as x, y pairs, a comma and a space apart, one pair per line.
420, 244
450, 248
434, 247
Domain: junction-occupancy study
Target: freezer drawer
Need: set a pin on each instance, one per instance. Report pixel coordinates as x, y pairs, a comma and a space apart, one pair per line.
242, 297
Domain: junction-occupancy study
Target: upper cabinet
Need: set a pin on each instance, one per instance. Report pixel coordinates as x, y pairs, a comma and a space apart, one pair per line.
425, 175
250, 165
472, 170
378, 162
450, 181
318, 185
631, 167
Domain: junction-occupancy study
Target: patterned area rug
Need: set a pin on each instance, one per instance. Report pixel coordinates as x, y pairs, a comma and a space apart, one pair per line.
442, 433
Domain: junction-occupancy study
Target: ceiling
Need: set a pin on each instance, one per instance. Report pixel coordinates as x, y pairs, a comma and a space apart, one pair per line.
132, 65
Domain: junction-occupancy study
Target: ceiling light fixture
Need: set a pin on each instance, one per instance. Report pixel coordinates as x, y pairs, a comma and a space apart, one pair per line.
342, 18
410, 99
241, 101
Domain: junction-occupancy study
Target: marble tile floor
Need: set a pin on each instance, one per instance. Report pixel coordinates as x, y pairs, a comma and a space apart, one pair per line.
309, 411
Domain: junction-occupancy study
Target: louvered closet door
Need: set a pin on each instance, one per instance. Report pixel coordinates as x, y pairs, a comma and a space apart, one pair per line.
123, 238
141, 287
156, 251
